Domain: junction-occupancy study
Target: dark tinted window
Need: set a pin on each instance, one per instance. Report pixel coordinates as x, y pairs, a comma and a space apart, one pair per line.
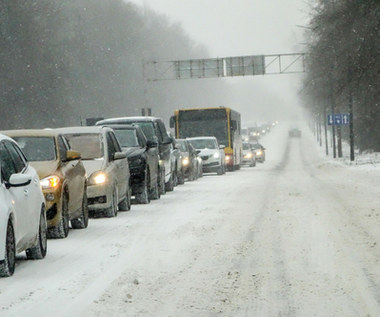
7, 166
16, 157
110, 146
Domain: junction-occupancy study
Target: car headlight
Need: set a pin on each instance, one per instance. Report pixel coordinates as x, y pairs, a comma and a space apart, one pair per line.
97, 178
248, 155
216, 155
185, 161
259, 153
50, 182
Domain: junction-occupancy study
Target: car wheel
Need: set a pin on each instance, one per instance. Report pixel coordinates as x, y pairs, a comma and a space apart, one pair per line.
169, 186
62, 229
82, 221
143, 197
162, 183
7, 267
125, 204
220, 170
39, 250
175, 178
112, 210
154, 192
181, 178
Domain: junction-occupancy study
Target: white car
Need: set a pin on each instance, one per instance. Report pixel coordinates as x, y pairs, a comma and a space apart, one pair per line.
22, 208
212, 154
108, 188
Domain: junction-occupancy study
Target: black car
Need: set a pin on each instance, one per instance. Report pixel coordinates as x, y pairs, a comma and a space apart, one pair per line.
155, 131
143, 161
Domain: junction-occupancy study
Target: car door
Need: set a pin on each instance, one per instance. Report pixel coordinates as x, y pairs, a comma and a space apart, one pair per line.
165, 148
151, 157
120, 167
74, 174
25, 199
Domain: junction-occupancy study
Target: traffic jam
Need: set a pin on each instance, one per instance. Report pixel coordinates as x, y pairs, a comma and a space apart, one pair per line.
55, 180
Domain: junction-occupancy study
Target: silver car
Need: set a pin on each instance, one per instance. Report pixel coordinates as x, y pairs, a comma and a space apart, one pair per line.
108, 188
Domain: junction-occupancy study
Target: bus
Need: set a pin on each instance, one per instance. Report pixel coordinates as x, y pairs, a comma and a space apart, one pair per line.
220, 122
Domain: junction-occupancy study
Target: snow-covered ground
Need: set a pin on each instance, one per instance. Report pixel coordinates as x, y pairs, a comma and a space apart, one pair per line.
295, 236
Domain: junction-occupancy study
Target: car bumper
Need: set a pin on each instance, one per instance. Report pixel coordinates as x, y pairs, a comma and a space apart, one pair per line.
211, 167
53, 198
99, 197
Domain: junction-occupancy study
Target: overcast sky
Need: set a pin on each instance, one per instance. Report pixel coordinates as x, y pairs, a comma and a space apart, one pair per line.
245, 27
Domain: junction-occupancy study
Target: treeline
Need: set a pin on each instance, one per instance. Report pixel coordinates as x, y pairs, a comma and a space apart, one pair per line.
344, 65
63, 61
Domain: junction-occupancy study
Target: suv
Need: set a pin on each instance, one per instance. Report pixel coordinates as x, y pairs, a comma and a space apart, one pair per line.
212, 154
107, 168
22, 208
155, 131
143, 161
62, 175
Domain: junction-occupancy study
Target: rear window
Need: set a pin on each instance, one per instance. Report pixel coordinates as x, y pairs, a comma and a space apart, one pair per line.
88, 144
37, 148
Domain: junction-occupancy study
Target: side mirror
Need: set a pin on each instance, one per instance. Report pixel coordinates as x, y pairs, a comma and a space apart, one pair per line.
177, 146
119, 156
17, 180
222, 146
72, 155
151, 144
198, 151
172, 122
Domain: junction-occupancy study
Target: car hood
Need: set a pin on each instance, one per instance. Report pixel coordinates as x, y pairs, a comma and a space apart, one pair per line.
205, 152
92, 166
45, 168
132, 151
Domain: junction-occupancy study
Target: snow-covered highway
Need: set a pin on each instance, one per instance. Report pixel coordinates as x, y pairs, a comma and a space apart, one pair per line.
295, 236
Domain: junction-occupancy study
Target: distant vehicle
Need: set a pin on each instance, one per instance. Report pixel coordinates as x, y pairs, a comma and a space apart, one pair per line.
143, 161
212, 154
295, 133
22, 208
259, 151
190, 163
176, 159
108, 187
155, 131
249, 155
220, 122
63, 178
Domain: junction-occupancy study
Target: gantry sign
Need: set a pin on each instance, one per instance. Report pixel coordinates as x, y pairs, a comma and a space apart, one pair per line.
225, 67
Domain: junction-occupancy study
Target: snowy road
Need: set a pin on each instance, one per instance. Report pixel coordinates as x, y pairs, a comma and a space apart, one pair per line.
295, 236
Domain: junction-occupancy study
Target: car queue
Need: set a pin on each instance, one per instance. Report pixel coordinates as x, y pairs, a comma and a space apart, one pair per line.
51, 178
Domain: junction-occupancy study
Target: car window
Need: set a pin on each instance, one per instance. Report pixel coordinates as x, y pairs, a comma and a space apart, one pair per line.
127, 137
203, 144
7, 166
147, 128
88, 144
16, 157
110, 146
37, 148
62, 148
158, 132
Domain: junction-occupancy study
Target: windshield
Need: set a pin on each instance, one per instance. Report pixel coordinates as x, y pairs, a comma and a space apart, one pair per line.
246, 146
38, 148
201, 144
255, 146
205, 122
127, 137
182, 145
147, 127
88, 144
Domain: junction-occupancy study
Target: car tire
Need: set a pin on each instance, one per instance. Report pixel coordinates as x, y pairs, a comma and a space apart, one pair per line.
143, 197
82, 221
38, 252
162, 187
181, 178
169, 186
112, 210
61, 231
154, 191
7, 267
220, 171
253, 163
125, 204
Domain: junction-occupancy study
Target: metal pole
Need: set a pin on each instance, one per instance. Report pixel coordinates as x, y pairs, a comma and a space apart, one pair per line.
325, 122
352, 152
333, 125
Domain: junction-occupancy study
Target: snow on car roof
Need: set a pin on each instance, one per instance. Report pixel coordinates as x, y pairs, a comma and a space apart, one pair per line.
30, 132
139, 118
202, 137
91, 129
